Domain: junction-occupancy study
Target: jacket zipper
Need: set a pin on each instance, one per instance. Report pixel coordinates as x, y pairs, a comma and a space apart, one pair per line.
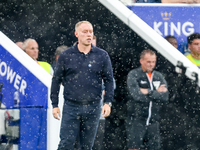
150, 103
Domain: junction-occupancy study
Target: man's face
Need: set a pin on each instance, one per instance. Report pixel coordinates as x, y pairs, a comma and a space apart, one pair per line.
84, 34
173, 42
32, 49
148, 63
195, 47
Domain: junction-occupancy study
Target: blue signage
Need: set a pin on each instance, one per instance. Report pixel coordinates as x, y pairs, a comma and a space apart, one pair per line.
20, 87
169, 20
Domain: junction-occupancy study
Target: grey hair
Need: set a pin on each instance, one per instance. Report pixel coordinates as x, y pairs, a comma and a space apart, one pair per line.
25, 43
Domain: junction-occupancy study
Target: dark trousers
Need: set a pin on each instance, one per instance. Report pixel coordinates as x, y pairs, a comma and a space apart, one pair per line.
138, 135
82, 120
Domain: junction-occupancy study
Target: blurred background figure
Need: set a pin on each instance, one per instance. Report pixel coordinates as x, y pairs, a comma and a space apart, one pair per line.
172, 40
20, 44
181, 1
194, 46
30, 46
182, 47
59, 50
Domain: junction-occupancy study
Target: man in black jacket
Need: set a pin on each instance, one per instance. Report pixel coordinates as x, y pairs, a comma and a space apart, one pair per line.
147, 89
81, 70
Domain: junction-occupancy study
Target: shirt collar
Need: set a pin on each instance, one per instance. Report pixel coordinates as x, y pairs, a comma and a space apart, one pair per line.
76, 48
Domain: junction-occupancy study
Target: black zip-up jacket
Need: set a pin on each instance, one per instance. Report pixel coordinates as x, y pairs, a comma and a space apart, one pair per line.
145, 106
81, 75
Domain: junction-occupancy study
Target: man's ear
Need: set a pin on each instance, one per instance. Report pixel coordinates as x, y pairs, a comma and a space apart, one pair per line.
189, 45
76, 34
140, 61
